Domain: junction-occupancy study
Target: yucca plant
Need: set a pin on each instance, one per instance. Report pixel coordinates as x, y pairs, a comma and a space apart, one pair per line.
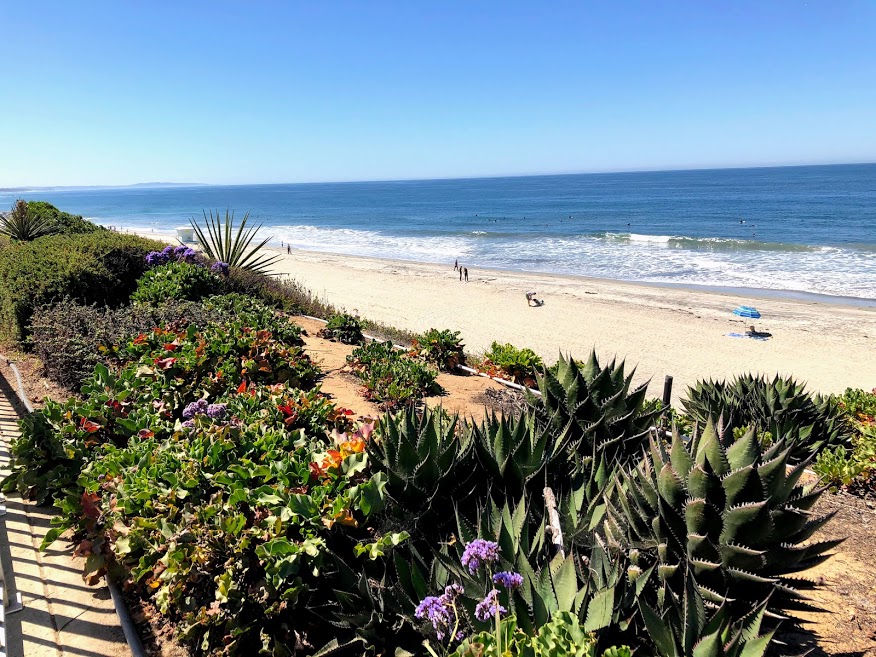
728, 510
222, 243
424, 458
24, 226
594, 408
515, 451
778, 404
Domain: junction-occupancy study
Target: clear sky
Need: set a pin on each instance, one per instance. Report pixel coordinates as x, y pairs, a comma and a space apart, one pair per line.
245, 92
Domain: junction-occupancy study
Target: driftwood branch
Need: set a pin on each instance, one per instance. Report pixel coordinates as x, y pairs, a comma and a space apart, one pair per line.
553, 529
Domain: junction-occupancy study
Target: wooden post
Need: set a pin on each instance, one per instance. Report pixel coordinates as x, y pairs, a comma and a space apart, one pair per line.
667, 391
553, 529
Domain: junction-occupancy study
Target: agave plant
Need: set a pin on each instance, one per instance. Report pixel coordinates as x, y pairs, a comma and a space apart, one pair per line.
729, 511
235, 248
515, 451
424, 458
20, 224
775, 405
594, 408
684, 626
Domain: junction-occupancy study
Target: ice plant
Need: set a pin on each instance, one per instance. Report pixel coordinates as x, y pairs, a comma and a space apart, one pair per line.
479, 552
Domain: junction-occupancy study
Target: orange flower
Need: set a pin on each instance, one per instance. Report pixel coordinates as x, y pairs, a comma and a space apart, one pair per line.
88, 425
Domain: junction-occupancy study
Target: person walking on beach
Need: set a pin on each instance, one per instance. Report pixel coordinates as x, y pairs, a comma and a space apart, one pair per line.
460, 274
288, 249
466, 274
455, 265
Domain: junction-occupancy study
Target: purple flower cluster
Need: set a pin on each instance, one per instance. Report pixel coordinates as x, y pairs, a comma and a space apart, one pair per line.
201, 407
217, 411
489, 607
195, 408
508, 579
189, 424
171, 254
479, 552
441, 611
220, 267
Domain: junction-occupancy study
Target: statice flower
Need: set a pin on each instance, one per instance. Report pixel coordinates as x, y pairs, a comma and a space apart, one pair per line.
186, 255
153, 258
489, 607
195, 408
220, 268
217, 411
478, 552
189, 424
508, 579
168, 251
179, 250
432, 609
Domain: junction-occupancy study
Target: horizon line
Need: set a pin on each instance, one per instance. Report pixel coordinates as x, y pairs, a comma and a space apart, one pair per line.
24, 188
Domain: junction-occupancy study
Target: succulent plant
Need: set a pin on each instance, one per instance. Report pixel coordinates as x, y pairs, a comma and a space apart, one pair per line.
424, 458
684, 626
594, 408
514, 451
730, 511
775, 405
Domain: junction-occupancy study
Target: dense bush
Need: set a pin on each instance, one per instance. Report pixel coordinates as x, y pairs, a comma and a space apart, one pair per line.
390, 378
509, 362
70, 339
853, 468
441, 349
101, 267
165, 370
342, 327
176, 281
288, 295
62, 222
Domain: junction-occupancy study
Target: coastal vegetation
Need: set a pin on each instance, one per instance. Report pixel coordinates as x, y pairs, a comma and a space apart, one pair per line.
203, 467
222, 243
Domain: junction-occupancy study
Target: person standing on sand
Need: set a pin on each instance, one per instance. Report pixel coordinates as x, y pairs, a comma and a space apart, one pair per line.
455, 265
288, 249
466, 274
460, 274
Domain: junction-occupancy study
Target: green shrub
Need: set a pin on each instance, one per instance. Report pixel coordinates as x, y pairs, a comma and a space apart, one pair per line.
389, 377
859, 404
101, 267
442, 349
288, 295
563, 636
163, 372
507, 361
61, 222
342, 328
255, 314
70, 339
176, 281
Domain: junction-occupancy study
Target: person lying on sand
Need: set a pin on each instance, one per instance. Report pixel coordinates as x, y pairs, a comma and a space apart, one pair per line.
532, 301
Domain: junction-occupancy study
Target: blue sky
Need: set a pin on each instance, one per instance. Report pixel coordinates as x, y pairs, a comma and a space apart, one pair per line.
234, 92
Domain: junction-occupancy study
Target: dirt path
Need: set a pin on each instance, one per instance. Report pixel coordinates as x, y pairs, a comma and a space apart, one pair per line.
463, 393
847, 626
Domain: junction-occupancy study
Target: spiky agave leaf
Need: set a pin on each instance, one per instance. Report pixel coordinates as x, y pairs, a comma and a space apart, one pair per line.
221, 242
728, 511
20, 224
594, 408
779, 405
425, 458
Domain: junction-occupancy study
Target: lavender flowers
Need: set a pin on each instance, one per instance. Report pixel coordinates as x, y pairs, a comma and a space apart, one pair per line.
171, 254
508, 580
220, 267
479, 552
441, 611
489, 607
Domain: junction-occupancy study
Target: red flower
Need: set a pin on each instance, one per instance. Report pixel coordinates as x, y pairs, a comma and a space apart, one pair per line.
242, 387
165, 363
88, 425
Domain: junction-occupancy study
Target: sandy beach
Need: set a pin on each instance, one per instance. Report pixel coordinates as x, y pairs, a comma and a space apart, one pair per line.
659, 330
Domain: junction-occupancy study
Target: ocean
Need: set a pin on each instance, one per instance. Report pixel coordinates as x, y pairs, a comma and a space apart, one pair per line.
795, 229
